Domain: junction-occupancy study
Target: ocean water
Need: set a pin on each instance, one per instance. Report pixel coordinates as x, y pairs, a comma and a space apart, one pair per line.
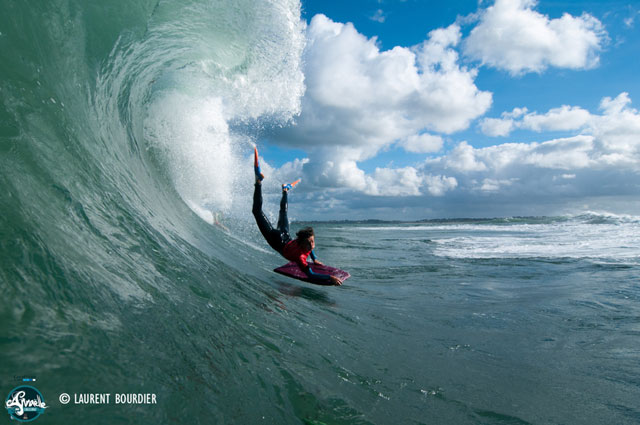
123, 126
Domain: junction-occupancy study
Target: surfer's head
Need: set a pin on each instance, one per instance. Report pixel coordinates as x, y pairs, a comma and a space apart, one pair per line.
306, 238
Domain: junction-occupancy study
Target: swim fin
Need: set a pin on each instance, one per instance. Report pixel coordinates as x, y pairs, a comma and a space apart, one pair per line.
290, 186
256, 165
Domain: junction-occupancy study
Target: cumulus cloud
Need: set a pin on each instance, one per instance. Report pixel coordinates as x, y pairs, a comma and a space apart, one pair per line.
514, 37
606, 143
438, 185
558, 119
407, 181
564, 118
395, 182
360, 100
562, 154
463, 159
616, 130
422, 143
360, 96
493, 185
496, 127
503, 126
602, 162
341, 174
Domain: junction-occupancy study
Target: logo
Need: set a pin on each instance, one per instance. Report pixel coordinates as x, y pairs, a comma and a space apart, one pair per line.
25, 403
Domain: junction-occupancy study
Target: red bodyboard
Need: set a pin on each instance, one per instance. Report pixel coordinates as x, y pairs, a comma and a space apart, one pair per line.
292, 270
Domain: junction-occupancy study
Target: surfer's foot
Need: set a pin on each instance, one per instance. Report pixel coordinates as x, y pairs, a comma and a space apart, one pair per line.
256, 166
289, 186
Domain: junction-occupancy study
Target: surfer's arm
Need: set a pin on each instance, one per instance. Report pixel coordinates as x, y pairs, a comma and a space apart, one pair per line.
314, 258
321, 279
315, 276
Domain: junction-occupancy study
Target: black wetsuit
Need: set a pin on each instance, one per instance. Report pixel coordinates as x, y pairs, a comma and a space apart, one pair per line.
276, 238
279, 237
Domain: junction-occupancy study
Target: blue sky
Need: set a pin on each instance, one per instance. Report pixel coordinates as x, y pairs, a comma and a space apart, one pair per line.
416, 109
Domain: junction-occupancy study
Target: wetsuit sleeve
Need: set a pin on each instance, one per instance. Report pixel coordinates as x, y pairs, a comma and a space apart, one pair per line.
323, 279
313, 255
316, 276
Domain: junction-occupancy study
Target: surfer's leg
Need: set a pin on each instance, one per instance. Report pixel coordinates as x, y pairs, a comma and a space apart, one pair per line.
272, 236
283, 220
263, 223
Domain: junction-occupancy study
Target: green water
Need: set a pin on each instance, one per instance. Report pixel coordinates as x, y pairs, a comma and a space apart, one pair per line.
122, 127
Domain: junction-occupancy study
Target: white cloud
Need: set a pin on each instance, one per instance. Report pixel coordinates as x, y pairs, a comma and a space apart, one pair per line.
341, 174
564, 176
422, 143
601, 164
366, 99
493, 185
463, 159
438, 185
395, 182
514, 37
615, 105
338, 173
563, 154
616, 132
407, 181
602, 160
360, 100
630, 20
378, 16
610, 141
564, 118
496, 127
557, 119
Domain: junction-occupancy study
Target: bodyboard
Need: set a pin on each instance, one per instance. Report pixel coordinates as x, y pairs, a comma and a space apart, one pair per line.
292, 270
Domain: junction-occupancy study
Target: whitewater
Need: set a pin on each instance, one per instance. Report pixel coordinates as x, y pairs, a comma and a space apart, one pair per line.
130, 262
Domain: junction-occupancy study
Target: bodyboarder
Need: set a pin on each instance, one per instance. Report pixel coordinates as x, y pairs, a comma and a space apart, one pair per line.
296, 250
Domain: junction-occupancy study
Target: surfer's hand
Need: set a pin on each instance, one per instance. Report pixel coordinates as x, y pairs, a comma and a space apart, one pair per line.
317, 262
336, 281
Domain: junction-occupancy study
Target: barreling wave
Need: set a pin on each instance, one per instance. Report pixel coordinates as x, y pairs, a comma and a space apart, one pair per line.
119, 120
124, 129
